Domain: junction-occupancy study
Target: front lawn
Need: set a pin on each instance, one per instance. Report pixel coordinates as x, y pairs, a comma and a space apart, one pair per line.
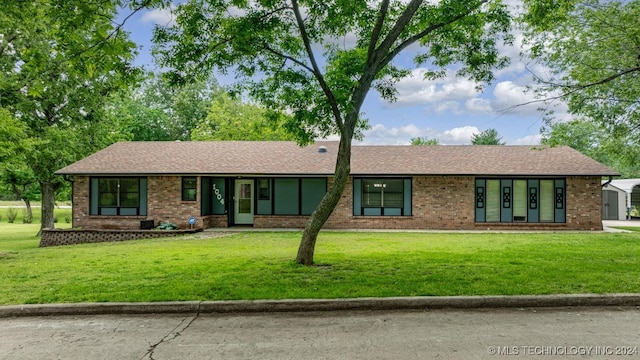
259, 266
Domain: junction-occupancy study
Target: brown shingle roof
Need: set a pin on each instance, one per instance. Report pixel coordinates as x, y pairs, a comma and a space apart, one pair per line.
287, 158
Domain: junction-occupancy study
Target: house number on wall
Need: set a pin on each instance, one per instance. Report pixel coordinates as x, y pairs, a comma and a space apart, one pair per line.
218, 194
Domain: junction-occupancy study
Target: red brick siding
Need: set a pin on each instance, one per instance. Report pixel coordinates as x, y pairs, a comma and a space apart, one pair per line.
164, 203
438, 202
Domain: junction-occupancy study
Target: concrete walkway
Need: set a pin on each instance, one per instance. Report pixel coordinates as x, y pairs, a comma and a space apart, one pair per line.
608, 225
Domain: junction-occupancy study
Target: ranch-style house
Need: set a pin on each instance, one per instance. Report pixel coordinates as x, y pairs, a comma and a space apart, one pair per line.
269, 184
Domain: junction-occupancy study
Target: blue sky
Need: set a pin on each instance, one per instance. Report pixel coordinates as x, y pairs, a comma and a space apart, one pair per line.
448, 109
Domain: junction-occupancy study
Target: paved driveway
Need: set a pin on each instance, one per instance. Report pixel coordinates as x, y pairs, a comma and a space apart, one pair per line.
553, 333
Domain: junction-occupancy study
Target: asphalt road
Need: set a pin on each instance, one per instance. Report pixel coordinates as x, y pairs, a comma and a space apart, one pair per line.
549, 333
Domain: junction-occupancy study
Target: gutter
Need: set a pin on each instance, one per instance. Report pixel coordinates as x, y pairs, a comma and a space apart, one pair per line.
608, 181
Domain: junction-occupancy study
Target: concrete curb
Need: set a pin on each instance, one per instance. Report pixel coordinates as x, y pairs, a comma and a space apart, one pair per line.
306, 305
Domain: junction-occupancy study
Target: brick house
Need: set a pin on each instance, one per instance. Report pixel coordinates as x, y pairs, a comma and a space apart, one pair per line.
268, 184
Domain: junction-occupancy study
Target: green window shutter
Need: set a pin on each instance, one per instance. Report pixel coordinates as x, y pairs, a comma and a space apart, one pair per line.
143, 197
560, 201
533, 200
312, 192
357, 197
286, 196
506, 186
480, 200
93, 197
407, 197
205, 191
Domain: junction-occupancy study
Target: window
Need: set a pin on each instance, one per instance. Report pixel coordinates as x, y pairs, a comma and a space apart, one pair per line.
374, 197
546, 200
263, 189
189, 188
520, 200
118, 196
493, 200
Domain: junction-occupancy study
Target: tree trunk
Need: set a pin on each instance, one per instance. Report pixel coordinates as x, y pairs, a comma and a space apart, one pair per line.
328, 203
27, 203
48, 204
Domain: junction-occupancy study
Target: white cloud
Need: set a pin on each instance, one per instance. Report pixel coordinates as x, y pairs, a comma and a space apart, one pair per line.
162, 17
379, 134
458, 136
511, 97
478, 106
528, 140
415, 89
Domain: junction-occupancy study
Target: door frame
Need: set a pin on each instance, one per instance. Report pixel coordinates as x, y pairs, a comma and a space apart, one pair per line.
247, 218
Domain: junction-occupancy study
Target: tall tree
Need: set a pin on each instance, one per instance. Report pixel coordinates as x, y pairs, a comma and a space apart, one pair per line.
318, 60
14, 173
158, 110
487, 137
231, 119
59, 61
596, 142
593, 50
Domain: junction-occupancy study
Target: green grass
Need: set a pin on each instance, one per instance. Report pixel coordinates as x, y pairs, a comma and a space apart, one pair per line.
628, 228
62, 214
260, 266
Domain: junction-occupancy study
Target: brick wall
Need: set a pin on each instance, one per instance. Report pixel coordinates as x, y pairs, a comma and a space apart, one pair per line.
438, 202
164, 203
584, 202
57, 237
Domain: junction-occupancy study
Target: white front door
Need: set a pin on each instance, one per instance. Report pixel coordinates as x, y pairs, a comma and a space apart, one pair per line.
244, 202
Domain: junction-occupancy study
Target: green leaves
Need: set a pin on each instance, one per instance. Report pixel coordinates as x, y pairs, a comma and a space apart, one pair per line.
230, 119
593, 53
487, 137
319, 67
59, 61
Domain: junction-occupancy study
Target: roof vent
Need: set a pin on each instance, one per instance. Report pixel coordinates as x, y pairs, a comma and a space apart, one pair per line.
322, 149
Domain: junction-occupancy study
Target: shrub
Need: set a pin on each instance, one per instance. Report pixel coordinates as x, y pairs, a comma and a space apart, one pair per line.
67, 219
12, 214
26, 219
167, 226
55, 219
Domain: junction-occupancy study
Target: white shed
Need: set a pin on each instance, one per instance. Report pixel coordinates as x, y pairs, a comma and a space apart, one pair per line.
620, 199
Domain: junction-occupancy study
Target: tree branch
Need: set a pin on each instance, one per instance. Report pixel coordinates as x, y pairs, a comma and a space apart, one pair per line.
377, 30
392, 53
9, 39
316, 69
287, 57
576, 87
